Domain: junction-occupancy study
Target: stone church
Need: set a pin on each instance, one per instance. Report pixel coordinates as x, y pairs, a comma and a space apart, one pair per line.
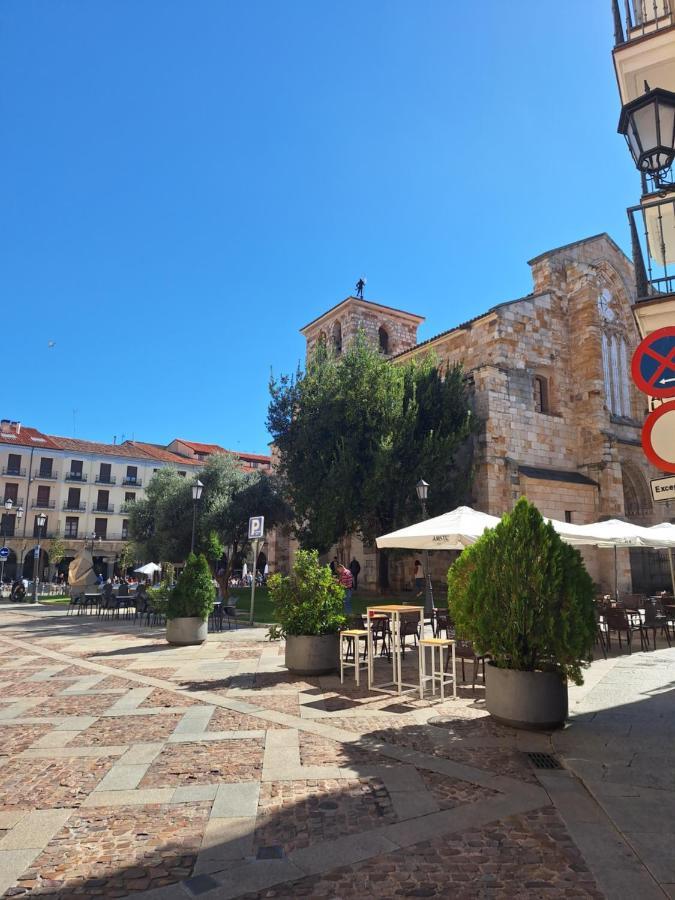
560, 419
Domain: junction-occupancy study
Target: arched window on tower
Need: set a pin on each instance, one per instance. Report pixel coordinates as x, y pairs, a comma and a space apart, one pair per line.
337, 338
384, 340
614, 358
540, 387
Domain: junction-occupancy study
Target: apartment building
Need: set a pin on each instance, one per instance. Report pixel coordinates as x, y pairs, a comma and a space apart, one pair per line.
81, 491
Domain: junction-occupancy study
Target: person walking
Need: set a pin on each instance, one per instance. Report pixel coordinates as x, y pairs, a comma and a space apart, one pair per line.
346, 580
355, 568
419, 578
334, 565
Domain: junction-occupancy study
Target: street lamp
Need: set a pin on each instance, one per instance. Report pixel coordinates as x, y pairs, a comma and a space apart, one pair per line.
197, 489
41, 522
422, 489
8, 506
648, 124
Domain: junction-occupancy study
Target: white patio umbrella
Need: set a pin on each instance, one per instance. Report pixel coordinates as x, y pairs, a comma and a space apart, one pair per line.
149, 569
452, 531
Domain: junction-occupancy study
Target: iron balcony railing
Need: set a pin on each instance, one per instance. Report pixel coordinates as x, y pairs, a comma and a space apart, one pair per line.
15, 504
74, 507
102, 509
13, 472
43, 504
640, 17
652, 229
132, 482
46, 476
103, 479
75, 476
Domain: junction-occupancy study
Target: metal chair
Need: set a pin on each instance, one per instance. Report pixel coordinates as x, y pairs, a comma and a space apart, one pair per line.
621, 622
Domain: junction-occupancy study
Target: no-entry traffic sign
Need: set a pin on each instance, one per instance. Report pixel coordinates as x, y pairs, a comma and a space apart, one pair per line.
658, 437
653, 365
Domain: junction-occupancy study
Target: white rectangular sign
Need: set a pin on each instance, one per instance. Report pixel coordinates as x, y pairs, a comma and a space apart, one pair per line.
256, 527
663, 488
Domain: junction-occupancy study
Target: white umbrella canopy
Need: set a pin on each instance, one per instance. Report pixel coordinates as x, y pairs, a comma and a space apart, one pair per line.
664, 532
452, 531
148, 569
617, 533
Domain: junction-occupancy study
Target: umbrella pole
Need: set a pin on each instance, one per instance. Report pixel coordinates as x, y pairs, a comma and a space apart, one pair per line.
672, 570
429, 591
616, 578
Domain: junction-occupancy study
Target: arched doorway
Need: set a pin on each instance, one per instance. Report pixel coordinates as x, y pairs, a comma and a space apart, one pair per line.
9, 568
29, 564
648, 568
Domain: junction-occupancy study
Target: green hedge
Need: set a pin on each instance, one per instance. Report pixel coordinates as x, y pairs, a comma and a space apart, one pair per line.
194, 593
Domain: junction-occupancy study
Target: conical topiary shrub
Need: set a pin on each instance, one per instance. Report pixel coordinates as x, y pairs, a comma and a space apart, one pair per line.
524, 597
194, 593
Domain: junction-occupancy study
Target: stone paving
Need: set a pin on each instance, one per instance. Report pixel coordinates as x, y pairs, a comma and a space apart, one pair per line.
129, 768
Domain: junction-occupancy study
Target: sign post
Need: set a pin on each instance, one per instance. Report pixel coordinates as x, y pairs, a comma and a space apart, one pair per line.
256, 532
4, 556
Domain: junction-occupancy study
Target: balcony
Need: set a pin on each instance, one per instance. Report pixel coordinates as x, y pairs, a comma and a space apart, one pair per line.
13, 472
105, 479
132, 482
74, 507
70, 535
43, 504
75, 476
106, 510
652, 231
15, 504
45, 476
642, 17
644, 50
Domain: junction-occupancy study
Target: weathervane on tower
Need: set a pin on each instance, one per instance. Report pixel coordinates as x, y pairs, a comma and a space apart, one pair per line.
360, 284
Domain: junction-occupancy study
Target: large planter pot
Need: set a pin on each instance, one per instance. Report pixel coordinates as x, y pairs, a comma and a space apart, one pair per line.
533, 700
186, 631
312, 654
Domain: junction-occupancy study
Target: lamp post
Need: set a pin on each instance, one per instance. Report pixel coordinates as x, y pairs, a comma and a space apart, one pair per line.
197, 489
422, 488
41, 521
8, 506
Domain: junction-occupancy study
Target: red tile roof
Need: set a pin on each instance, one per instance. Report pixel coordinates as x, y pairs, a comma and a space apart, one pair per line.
157, 452
216, 448
28, 437
79, 446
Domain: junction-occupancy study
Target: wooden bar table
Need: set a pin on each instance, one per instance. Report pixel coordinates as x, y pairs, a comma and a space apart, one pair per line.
393, 611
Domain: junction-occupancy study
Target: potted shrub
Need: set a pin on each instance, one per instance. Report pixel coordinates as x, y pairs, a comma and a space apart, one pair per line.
525, 599
308, 606
190, 603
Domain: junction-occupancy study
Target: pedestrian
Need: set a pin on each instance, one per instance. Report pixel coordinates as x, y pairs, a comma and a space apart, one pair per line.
355, 568
346, 580
334, 565
419, 578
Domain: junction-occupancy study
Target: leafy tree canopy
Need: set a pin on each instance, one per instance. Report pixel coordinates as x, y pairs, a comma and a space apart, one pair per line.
356, 432
161, 523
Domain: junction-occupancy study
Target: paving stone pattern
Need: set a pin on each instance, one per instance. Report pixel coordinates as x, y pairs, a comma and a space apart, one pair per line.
129, 768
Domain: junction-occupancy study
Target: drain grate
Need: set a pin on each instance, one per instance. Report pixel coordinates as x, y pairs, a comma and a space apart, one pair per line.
543, 761
274, 852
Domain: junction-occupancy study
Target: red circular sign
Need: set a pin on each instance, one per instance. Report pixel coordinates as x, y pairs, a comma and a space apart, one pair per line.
653, 364
658, 437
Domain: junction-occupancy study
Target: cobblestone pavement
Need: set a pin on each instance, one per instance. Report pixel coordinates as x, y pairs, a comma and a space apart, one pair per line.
129, 768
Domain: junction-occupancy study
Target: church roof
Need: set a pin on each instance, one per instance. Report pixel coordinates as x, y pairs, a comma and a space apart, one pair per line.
587, 240
366, 303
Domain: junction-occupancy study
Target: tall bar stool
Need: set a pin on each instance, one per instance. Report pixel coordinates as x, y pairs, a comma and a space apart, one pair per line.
350, 639
438, 675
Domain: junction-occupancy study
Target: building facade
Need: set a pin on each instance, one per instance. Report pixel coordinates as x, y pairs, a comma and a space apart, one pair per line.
560, 420
83, 489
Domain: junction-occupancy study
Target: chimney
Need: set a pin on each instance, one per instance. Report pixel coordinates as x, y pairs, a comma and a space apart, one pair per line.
17, 427
5, 426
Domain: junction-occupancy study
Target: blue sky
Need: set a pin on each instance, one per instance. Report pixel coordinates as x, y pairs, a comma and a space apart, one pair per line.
186, 183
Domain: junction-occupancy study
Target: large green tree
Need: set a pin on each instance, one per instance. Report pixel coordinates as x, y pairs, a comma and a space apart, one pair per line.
161, 524
355, 433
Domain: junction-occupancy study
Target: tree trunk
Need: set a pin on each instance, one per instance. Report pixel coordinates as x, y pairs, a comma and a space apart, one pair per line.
382, 571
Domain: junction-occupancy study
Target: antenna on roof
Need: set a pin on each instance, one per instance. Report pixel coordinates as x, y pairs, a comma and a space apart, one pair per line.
114, 439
